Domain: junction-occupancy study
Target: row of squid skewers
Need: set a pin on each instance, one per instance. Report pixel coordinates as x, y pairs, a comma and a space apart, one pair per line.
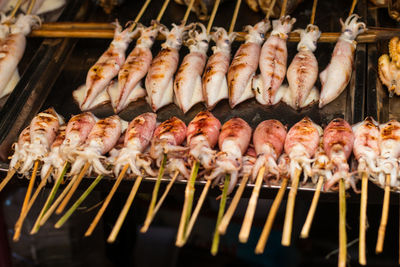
270, 153
121, 81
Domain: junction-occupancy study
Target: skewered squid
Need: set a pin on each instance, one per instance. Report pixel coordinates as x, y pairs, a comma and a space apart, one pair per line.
389, 67
160, 77
11, 51
76, 133
55, 157
366, 146
389, 144
321, 166
21, 147
215, 86
167, 139
129, 87
43, 130
187, 85
233, 142
301, 144
268, 139
202, 136
137, 139
336, 76
249, 160
303, 71
273, 58
338, 144
101, 139
245, 64
105, 69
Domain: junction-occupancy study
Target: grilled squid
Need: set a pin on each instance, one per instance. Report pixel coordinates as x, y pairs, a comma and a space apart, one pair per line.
249, 160
129, 88
43, 130
233, 142
389, 67
321, 167
76, 133
389, 144
137, 139
106, 67
338, 144
215, 86
101, 139
336, 76
21, 147
366, 146
301, 144
11, 51
202, 136
187, 85
245, 63
167, 139
273, 58
160, 77
268, 139
303, 71
55, 158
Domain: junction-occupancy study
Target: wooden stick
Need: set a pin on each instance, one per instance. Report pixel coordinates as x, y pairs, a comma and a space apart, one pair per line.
14, 11
50, 198
342, 225
73, 188
384, 218
30, 187
30, 8
287, 226
124, 212
187, 13
196, 211
163, 8
251, 208
155, 191
234, 16
222, 203
139, 15
353, 6
232, 207
107, 201
283, 9
314, 9
271, 7
10, 174
21, 219
187, 205
310, 216
68, 25
362, 259
55, 204
145, 227
212, 16
262, 242
68, 214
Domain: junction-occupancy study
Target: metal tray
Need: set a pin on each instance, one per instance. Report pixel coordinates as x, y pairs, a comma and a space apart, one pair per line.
349, 105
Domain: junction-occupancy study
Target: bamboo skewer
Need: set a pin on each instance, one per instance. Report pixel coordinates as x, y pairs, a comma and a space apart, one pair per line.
363, 220
310, 216
20, 221
234, 16
75, 185
232, 207
283, 9
147, 223
124, 212
212, 17
271, 7
71, 210
187, 205
287, 226
342, 225
10, 174
49, 199
251, 208
161, 12
314, 9
262, 242
14, 11
30, 8
222, 204
30, 187
154, 195
384, 217
353, 6
187, 13
106, 201
139, 15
